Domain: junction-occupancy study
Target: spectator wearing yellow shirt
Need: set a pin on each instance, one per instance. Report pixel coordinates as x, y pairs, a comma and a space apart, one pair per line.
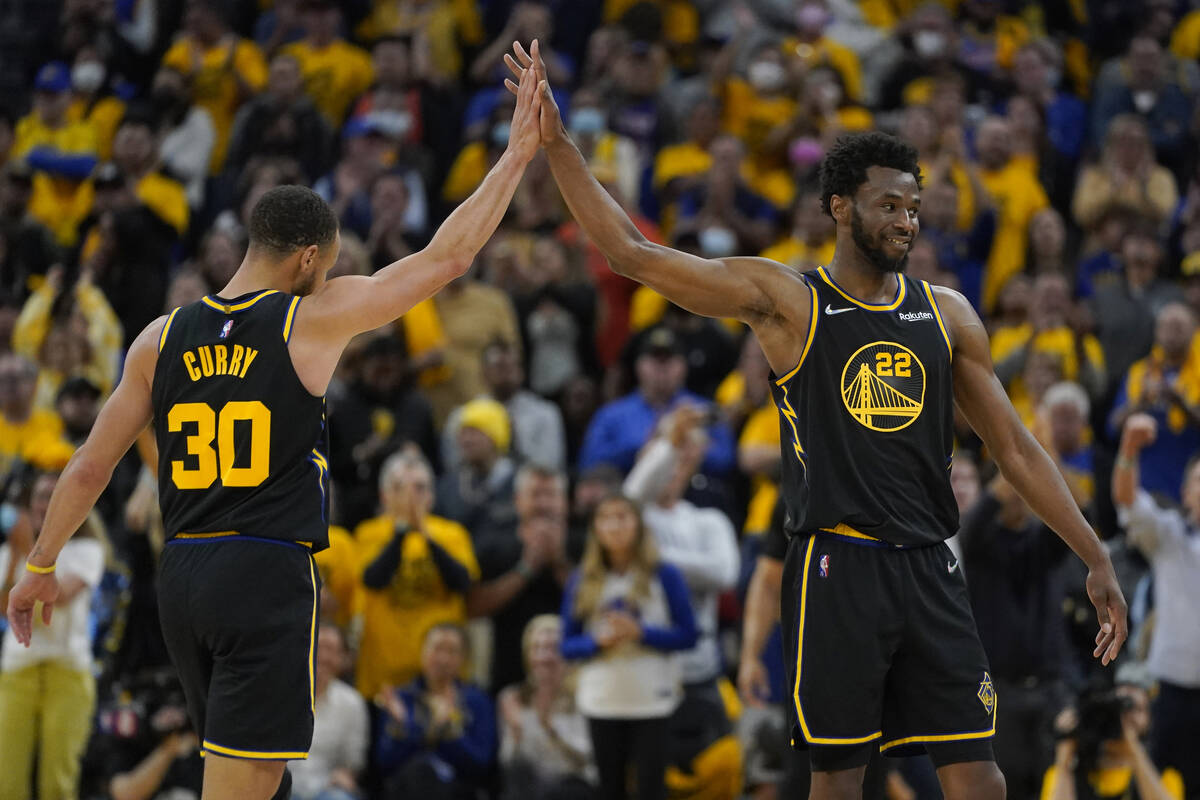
61, 152
1014, 189
447, 25
92, 102
811, 48
681, 167
25, 430
84, 340
745, 401
335, 71
224, 69
762, 102
1057, 328
810, 242
416, 570
341, 573
135, 152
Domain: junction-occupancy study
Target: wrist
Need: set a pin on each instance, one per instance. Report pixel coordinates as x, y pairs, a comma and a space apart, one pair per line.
40, 568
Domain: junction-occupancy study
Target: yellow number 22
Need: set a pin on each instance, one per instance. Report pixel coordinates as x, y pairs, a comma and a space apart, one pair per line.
210, 425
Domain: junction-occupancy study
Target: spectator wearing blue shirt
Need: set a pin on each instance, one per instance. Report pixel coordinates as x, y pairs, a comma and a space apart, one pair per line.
437, 740
1165, 385
624, 614
621, 427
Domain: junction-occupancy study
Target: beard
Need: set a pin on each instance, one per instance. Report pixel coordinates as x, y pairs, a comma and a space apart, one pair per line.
872, 249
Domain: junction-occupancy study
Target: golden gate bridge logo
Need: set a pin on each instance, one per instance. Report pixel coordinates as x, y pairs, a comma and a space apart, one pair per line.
883, 386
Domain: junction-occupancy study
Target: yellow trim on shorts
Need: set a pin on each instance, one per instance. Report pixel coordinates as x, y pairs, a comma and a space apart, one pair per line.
312, 639
938, 314
162, 337
942, 737
808, 737
842, 529
812, 334
901, 291
214, 535
226, 308
261, 755
291, 315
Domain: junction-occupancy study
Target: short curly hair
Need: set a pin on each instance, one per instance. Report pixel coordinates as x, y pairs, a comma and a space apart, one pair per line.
845, 166
290, 218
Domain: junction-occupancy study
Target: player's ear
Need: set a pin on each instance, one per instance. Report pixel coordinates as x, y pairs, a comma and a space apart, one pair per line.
839, 208
308, 256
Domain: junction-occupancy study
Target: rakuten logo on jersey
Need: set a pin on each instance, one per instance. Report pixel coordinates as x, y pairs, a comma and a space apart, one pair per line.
918, 316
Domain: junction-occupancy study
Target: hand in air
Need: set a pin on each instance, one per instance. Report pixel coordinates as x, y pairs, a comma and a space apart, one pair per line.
550, 118
524, 136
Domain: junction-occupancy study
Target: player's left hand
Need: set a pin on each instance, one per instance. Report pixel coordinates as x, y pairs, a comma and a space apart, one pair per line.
24, 597
1106, 596
549, 116
525, 136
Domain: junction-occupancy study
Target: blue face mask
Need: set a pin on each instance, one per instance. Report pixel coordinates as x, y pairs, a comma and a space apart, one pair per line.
500, 133
588, 121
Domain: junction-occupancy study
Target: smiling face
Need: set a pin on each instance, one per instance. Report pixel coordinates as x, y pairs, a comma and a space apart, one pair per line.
883, 217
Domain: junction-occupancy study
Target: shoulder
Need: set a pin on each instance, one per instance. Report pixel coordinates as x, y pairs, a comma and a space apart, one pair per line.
670, 577
441, 529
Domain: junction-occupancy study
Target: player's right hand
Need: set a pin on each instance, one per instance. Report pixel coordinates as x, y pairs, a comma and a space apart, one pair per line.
524, 137
752, 682
1140, 430
1111, 611
24, 597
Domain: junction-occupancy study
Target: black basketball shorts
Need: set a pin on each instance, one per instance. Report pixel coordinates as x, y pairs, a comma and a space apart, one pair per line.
239, 616
881, 650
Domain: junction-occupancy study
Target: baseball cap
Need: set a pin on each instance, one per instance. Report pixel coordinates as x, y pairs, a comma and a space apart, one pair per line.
53, 77
661, 342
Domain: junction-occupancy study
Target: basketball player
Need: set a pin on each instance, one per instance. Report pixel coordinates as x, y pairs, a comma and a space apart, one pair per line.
234, 385
869, 365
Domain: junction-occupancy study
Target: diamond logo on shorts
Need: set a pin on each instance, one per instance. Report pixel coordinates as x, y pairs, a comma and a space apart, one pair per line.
823, 565
987, 693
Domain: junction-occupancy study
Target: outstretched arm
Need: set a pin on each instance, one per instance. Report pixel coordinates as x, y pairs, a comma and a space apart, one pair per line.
759, 292
353, 304
124, 416
1026, 466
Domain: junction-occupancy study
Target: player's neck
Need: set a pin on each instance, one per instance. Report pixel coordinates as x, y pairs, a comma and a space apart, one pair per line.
255, 276
862, 279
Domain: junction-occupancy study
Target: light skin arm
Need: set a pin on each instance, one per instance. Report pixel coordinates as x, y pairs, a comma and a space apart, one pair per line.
1139, 431
981, 398
759, 616
769, 297
123, 418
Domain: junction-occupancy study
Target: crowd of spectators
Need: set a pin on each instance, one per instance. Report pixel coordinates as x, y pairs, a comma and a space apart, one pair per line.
496, 620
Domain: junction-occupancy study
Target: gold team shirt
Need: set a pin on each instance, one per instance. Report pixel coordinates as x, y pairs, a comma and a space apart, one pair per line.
58, 203
338, 566
1018, 196
214, 73
334, 75
395, 619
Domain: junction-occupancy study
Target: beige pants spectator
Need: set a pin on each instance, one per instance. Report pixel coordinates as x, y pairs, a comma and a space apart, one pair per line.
48, 706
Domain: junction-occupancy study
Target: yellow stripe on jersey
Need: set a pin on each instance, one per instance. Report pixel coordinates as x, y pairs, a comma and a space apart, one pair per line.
291, 315
225, 308
812, 333
938, 314
842, 529
901, 291
808, 736
162, 337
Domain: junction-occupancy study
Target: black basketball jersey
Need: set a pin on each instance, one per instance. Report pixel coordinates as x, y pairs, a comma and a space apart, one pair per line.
241, 441
866, 419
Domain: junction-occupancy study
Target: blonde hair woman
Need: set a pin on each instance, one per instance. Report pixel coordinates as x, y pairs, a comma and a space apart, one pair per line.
624, 614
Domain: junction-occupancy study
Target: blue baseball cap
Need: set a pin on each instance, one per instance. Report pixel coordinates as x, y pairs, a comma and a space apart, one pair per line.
53, 77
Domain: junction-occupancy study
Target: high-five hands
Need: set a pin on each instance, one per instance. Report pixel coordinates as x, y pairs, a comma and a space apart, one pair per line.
524, 136
550, 119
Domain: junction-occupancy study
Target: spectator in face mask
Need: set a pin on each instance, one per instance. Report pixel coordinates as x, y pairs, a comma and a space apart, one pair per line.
606, 152
91, 98
724, 212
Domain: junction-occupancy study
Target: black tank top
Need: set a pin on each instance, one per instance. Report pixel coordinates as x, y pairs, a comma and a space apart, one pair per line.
241, 441
866, 419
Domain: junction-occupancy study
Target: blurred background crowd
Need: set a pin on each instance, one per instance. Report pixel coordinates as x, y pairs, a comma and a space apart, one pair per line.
474, 441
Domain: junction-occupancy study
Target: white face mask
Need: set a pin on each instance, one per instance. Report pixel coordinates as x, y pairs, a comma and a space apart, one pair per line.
1144, 101
766, 76
87, 76
717, 242
929, 44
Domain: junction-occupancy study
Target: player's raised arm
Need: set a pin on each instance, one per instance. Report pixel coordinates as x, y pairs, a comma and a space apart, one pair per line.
729, 287
1030, 470
124, 416
353, 304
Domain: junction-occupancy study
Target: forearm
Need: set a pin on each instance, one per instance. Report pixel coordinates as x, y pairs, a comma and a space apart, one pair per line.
143, 781
74, 495
762, 607
1126, 476
486, 599
379, 573
651, 472
1145, 775
454, 574
470, 225
1032, 473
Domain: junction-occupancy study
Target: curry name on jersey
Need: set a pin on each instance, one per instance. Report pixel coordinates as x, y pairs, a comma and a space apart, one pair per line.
241, 441
866, 419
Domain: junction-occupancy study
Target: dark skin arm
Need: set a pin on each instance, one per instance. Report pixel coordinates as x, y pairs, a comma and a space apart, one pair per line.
769, 297
1024, 464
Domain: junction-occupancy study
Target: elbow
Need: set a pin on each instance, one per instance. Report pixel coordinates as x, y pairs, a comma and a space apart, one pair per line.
87, 472
457, 265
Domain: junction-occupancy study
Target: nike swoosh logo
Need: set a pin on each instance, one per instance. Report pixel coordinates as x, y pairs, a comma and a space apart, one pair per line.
830, 310
951, 567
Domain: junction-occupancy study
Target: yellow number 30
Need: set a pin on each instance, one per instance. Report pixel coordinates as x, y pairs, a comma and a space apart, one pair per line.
210, 425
